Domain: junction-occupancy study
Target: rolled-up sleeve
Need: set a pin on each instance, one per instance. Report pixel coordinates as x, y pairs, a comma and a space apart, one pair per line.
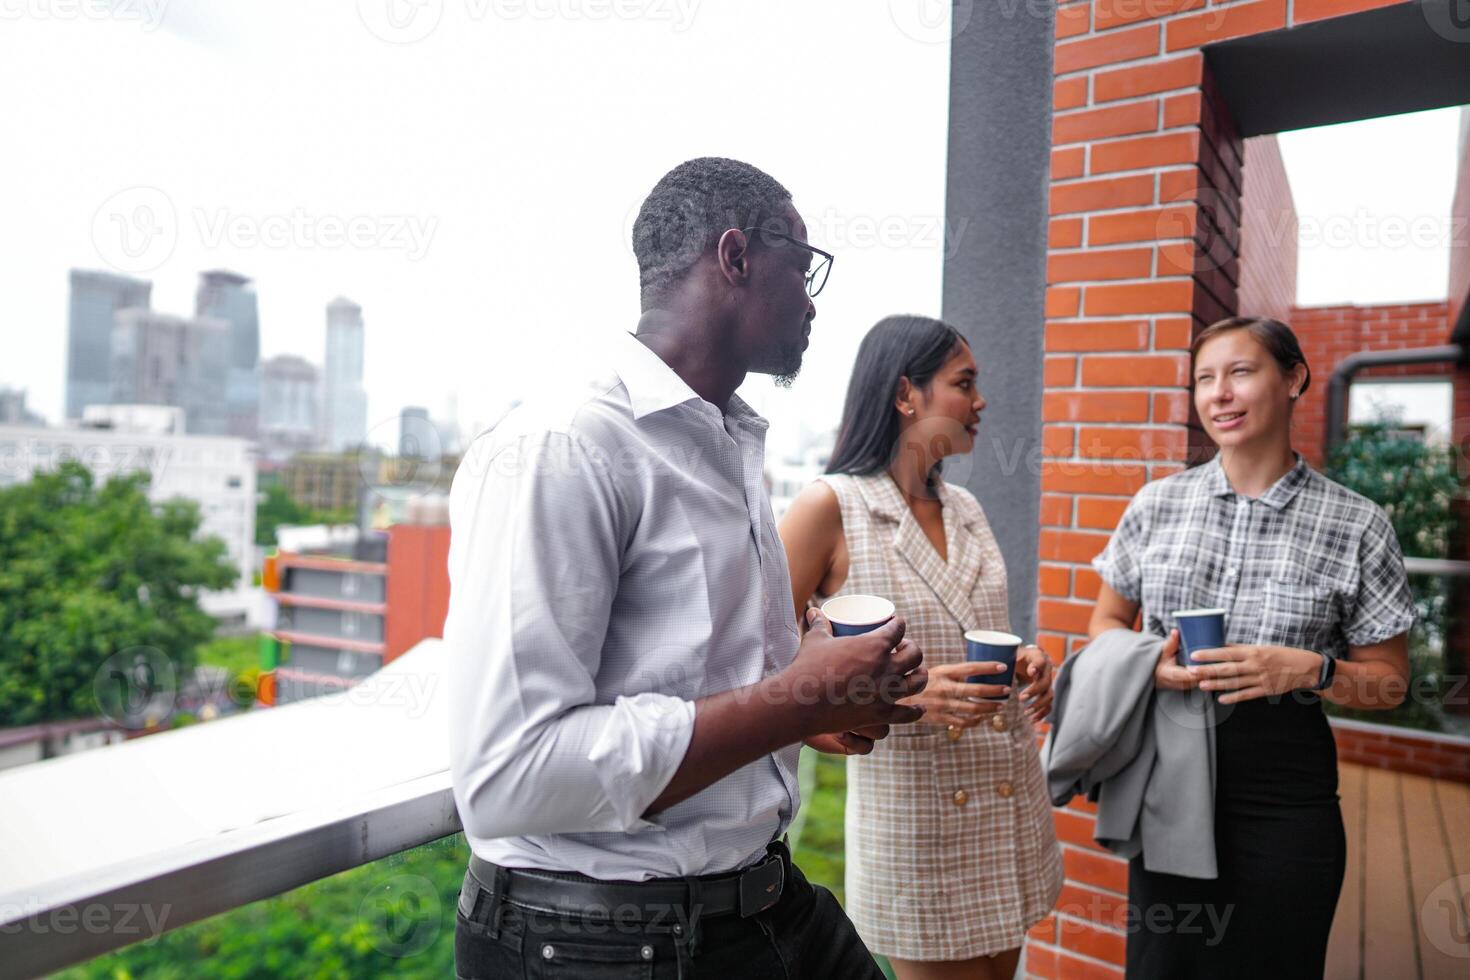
1383, 607
1118, 564
537, 531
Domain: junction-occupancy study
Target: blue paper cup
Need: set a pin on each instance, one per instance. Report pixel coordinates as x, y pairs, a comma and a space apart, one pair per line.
981, 645
1199, 629
851, 615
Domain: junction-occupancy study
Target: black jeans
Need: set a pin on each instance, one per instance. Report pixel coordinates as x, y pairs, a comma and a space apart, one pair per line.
804, 935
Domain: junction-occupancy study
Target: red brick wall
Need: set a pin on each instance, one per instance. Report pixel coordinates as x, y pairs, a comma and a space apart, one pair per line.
1268, 233
1401, 750
1144, 245
1330, 333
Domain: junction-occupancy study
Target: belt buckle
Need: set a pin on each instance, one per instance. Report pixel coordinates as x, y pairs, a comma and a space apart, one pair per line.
761, 886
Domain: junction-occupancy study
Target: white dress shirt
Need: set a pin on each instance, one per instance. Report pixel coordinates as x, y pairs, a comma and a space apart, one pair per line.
613, 558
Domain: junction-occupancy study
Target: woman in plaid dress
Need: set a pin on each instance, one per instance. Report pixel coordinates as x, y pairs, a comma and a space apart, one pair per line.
951, 853
1317, 606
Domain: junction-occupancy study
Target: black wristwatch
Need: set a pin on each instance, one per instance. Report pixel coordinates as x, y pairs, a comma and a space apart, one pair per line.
1329, 671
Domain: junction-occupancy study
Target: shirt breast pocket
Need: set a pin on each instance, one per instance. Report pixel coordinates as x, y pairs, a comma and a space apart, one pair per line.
1296, 614
1167, 588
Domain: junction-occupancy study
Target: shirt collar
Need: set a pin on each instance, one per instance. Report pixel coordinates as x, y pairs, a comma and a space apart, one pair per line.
1277, 496
886, 500
653, 386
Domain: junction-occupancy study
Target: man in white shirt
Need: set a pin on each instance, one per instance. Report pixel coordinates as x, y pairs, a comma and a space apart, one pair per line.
629, 691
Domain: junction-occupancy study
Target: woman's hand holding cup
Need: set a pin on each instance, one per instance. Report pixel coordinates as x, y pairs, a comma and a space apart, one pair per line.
952, 699
1168, 675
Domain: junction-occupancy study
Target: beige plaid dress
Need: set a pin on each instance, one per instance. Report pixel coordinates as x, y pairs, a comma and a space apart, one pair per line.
951, 852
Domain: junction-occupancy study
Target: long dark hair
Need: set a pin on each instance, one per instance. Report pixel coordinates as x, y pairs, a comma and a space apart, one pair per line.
913, 347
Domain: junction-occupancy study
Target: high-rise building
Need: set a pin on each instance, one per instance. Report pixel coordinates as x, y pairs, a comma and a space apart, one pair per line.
344, 400
290, 392
13, 409
417, 436
95, 299
159, 359
230, 297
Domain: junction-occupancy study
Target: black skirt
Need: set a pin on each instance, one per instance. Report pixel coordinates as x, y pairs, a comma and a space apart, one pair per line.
1281, 851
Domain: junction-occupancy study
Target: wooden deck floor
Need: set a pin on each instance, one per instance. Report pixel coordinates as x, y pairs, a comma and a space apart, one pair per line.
1405, 899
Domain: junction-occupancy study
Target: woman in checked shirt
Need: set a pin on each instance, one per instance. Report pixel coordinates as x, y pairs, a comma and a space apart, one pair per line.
1317, 606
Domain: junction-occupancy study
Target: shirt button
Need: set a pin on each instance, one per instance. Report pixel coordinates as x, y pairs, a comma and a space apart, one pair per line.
961, 797
548, 951
954, 732
647, 952
998, 723
1005, 790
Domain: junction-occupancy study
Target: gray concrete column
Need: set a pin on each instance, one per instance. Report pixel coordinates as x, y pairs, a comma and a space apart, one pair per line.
995, 266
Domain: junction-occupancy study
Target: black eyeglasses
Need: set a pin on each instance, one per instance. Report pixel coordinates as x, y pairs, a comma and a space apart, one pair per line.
816, 276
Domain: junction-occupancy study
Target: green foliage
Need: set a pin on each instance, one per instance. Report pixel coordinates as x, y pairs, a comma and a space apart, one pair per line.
277, 508
236, 654
1415, 484
820, 847
394, 917
87, 572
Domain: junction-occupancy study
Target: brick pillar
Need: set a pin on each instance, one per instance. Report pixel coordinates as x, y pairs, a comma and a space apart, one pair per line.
1144, 241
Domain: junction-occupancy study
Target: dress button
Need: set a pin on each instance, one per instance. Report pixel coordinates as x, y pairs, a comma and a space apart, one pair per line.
548, 951
954, 733
1004, 789
998, 723
961, 797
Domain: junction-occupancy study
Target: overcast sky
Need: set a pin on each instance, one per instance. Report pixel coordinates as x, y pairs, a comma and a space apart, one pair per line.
467, 171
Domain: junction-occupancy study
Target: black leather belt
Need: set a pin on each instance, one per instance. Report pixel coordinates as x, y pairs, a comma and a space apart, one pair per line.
745, 892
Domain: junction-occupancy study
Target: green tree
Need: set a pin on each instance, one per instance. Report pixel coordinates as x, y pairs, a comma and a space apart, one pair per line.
1412, 481
277, 508
1415, 483
89, 572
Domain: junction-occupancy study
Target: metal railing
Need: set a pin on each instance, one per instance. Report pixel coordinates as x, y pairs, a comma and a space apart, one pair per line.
92, 913
111, 847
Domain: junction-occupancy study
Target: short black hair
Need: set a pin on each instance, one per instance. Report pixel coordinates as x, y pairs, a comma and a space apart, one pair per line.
898, 347
691, 207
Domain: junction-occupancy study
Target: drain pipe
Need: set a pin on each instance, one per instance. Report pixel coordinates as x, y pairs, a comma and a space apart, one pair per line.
1342, 378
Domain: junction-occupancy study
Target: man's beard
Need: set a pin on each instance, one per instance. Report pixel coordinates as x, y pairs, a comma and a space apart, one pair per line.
790, 361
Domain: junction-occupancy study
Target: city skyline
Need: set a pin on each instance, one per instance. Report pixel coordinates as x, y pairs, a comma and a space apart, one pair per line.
485, 269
